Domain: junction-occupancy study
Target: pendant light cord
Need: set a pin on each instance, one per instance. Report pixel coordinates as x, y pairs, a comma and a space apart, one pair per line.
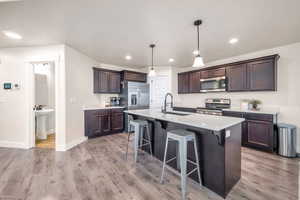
152, 57
198, 40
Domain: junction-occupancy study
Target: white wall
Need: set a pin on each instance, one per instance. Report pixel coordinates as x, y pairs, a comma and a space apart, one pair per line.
79, 93
14, 67
286, 99
74, 76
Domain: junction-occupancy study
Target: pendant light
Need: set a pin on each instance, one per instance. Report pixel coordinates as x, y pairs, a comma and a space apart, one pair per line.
152, 72
198, 62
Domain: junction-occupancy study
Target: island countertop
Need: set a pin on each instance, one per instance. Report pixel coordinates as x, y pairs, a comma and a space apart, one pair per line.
209, 122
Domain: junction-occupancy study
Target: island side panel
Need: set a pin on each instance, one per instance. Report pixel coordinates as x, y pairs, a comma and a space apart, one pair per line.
233, 157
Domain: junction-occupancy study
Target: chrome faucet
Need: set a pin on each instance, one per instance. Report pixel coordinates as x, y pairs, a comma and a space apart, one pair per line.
165, 103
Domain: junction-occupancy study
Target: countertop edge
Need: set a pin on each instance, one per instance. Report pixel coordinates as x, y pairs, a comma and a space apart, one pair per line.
217, 129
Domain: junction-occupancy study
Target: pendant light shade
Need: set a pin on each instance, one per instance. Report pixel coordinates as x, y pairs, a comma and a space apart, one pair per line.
198, 62
152, 71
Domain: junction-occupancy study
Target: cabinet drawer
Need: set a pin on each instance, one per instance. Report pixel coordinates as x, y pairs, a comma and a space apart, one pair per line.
117, 110
234, 114
260, 117
212, 73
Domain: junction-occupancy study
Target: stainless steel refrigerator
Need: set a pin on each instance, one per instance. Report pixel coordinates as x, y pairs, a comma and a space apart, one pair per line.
134, 95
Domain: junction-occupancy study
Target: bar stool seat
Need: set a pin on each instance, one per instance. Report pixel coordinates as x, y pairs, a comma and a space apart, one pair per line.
139, 129
182, 137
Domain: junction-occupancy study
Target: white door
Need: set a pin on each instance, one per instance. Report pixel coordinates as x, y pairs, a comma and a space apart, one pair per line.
159, 86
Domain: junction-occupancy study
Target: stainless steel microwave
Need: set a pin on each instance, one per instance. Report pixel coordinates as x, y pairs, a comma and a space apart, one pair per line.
217, 84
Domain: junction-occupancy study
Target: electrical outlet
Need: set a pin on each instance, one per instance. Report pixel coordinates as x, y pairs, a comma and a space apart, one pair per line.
227, 133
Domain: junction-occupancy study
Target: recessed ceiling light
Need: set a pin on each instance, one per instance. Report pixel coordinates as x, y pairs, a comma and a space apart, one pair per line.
233, 40
171, 60
12, 35
196, 52
128, 57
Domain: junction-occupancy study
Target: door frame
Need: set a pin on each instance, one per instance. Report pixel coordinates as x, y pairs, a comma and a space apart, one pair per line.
31, 102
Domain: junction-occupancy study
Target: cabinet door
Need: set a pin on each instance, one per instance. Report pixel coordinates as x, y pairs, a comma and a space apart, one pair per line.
92, 125
104, 121
103, 82
117, 120
236, 78
183, 83
260, 134
114, 82
194, 82
261, 75
96, 81
135, 76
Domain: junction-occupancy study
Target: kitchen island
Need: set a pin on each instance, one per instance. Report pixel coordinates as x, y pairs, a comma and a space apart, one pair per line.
219, 144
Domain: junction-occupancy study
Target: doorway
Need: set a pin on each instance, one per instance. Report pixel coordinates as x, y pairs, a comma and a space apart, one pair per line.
44, 105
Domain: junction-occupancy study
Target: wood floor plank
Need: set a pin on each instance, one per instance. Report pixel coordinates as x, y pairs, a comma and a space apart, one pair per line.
97, 169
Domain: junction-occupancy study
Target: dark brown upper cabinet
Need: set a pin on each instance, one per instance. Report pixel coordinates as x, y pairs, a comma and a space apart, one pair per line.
183, 83
262, 75
115, 82
258, 74
106, 81
212, 73
194, 82
134, 76
237, 78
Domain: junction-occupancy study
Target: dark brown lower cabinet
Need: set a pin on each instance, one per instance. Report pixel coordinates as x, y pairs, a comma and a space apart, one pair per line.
260, 134
257, 130
103, 122
117, 120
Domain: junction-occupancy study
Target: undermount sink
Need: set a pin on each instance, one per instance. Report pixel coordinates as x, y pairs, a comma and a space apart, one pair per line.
42, 117
176, 113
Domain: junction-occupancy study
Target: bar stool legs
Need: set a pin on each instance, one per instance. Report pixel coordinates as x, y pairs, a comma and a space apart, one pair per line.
197, 162
183, 163
164, 162
140, 126
182, 137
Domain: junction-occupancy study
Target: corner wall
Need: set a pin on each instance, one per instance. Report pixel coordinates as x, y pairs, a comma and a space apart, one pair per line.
14, 110
79, 92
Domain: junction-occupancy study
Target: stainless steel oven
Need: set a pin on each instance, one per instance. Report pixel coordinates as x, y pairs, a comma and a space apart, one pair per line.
217, 84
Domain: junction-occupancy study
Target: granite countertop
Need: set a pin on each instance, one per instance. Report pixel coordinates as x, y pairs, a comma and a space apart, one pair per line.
209, 122
261, 111
98, 107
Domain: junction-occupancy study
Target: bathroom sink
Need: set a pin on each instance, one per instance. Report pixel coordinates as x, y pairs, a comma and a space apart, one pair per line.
43, 112
42, 118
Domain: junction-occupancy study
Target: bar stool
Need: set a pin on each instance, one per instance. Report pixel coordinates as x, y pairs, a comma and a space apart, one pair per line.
139, 128
182, 137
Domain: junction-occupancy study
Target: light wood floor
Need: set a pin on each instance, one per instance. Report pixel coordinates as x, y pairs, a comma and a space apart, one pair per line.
49, 143
96, 169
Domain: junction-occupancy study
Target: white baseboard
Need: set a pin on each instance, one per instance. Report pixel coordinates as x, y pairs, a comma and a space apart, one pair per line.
8, 144
71, 144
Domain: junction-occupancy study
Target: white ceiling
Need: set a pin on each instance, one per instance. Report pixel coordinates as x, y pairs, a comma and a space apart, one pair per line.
107, 30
